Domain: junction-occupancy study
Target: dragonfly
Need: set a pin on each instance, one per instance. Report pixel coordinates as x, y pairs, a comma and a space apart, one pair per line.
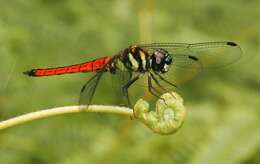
162, 65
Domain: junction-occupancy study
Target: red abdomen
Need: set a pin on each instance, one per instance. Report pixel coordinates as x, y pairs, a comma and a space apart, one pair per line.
90, 66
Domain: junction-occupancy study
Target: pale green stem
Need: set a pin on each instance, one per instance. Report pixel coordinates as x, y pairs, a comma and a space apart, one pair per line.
63, 110
167, 118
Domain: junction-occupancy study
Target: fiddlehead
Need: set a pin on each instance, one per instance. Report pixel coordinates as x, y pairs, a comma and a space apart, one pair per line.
168, 116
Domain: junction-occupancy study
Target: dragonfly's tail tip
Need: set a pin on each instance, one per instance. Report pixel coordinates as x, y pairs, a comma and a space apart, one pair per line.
29, 73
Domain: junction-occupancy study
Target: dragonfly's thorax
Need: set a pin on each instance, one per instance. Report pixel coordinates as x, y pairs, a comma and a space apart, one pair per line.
160, 61
135, 59
138, 60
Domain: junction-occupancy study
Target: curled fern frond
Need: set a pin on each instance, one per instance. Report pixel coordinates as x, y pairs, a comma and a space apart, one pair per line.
168, 116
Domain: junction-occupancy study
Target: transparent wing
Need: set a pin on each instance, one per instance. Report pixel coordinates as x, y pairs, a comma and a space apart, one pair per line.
190, 59
209, 54
119, 79
88, 90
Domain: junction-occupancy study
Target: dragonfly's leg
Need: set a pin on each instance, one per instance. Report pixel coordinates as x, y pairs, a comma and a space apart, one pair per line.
125, 89
163, 79
151, 89
157, 82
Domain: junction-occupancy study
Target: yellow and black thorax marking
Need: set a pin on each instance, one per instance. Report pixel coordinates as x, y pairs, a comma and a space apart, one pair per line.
136, 59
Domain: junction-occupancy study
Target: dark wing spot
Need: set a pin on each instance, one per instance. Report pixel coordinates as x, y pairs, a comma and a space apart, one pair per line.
193, 58
231, 44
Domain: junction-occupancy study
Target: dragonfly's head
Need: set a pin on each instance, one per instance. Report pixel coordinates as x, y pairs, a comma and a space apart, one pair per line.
161, 61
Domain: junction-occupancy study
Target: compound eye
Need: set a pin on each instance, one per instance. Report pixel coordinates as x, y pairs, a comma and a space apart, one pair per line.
159, 57
168, 60
158, 60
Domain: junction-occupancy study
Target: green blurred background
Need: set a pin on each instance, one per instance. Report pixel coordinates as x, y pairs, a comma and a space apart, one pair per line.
223, 122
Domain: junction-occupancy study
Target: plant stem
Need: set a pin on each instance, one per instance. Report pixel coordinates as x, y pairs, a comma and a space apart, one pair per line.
63, 110
167, 118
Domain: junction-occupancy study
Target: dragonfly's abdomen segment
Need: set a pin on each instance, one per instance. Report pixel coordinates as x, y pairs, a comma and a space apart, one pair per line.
94, 65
